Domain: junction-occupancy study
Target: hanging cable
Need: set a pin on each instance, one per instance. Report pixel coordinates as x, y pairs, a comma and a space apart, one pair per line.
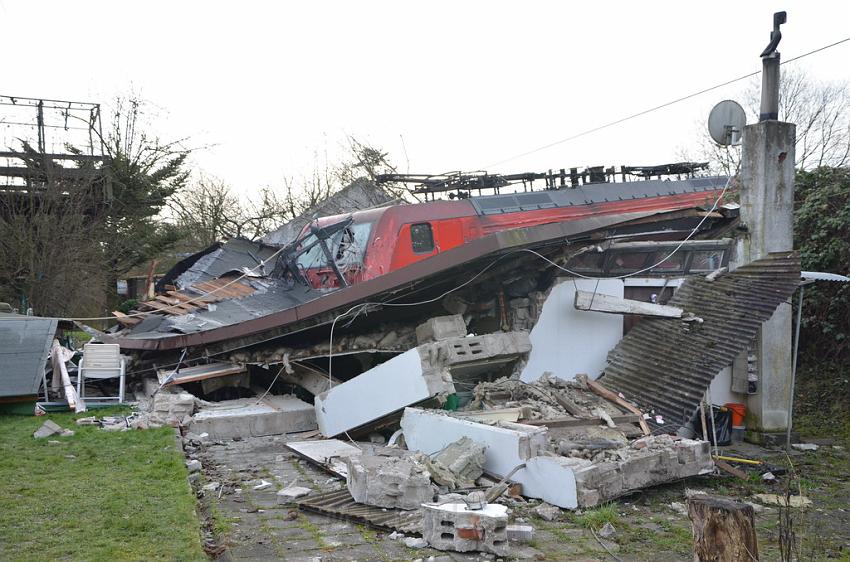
661, 106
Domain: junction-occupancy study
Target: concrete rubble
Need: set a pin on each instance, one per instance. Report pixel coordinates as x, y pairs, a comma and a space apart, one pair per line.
388, 481
441, 328
51, 428
459, 465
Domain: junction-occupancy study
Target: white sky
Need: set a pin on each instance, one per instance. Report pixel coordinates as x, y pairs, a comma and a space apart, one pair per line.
465, 84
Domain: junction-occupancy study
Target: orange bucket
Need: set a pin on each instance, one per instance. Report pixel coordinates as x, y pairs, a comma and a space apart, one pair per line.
739, 412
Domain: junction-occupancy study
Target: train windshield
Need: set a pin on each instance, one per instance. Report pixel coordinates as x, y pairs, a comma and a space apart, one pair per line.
348, 247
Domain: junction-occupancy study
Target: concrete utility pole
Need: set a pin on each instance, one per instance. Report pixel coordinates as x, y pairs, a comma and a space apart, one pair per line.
767, 210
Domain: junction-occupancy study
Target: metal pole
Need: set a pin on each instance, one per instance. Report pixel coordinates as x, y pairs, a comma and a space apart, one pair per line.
794, 368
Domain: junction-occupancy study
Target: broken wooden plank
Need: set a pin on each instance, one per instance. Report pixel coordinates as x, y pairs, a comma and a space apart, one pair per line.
193, 299
571, 407
177, 304
582, 422
728, 468
495, 414
162, 307
599, 302
125, 320
608, 395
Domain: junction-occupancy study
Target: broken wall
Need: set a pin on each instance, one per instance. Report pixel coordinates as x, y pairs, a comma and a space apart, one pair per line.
566, 341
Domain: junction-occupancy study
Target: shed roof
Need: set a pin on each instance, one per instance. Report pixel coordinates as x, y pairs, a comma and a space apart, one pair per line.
24, 345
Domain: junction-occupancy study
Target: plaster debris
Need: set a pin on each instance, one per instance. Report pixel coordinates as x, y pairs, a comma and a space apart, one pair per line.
50, 428
805, 446
287, 495
520, 533
547, 512
263, 485
775, 499
414, 542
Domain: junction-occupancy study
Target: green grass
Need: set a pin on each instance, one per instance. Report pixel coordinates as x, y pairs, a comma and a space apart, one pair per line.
597, 517
96, 496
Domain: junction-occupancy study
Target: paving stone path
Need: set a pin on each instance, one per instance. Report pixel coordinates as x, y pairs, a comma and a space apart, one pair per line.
257, 528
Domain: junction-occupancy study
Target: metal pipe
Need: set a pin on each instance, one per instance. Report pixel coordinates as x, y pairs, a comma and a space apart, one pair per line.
769, 110
794, 368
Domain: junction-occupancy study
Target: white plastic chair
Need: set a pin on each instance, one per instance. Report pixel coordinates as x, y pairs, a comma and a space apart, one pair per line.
101, 361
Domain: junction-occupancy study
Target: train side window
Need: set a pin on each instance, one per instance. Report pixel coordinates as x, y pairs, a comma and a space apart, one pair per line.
422, 238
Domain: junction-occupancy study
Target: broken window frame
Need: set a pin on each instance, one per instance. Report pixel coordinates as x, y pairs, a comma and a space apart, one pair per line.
413, 241
608, 268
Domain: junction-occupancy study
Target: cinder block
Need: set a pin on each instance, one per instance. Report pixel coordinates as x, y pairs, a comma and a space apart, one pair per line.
455, 527
441, 328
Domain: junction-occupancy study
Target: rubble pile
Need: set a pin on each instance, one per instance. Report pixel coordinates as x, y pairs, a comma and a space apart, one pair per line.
546, 398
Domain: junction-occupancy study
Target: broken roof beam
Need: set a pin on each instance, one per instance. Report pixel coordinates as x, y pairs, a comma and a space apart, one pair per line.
124, 319
198, 373
600, 302
615, 398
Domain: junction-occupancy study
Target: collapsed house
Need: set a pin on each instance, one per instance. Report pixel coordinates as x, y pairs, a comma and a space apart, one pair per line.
567, 335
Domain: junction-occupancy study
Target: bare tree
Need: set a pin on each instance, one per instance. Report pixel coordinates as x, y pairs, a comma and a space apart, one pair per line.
821, 111
209, 211
49, 255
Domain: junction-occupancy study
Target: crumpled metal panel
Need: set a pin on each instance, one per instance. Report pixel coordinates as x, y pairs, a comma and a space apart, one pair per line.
24, 345
341, 505
666, 365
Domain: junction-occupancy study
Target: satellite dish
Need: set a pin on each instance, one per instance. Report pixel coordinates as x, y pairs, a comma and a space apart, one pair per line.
726, 123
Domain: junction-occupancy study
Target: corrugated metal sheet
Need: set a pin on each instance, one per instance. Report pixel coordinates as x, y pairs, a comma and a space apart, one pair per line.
666, 365
820, 276
24, 345
233, 255
341, 505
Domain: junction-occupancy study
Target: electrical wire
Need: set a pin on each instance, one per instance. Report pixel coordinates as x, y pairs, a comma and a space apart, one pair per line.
658, 107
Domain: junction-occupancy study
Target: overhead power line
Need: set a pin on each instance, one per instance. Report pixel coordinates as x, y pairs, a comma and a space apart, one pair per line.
662, 106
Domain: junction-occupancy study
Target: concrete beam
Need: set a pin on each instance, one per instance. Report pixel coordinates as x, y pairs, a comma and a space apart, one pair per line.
403, 380
274, 415
599, 302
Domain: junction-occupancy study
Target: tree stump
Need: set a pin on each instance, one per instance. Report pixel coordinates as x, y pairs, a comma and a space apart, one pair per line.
724, 530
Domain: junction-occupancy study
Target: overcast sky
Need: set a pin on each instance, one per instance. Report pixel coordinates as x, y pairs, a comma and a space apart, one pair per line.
441, 85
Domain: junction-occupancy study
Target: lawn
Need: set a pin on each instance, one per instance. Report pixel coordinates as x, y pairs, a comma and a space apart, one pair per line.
97, 495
